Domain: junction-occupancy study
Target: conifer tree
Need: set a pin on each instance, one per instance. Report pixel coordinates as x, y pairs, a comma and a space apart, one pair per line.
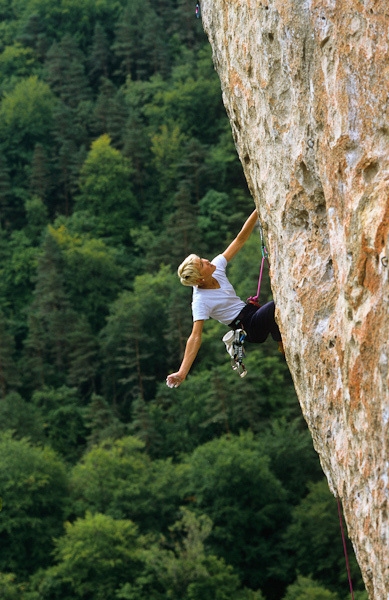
132, 356
142, 424
153, 50
126, 41
50, 321
9, 377
99, 59
66, 71
34, 36
40, 180
117, 118
137, 147
102, 421
103, 106
5, 194
180, 226
37, 219
110, 113
83, 357
70, 154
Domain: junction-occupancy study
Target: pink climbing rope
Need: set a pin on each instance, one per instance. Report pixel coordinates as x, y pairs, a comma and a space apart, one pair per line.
255, 299
345, 549
265, 256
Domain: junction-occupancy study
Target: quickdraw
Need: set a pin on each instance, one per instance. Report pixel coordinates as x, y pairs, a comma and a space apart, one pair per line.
198, 11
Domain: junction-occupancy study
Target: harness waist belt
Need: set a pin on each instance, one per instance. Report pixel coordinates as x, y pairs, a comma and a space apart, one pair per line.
246, 311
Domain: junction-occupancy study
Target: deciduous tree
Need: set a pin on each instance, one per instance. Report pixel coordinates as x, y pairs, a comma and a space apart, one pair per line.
34, 490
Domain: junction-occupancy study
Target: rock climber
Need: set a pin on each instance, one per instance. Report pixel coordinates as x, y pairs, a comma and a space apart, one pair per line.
214, 297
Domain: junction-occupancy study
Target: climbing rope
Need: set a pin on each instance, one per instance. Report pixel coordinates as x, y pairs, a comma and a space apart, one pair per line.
265, 258
345, 548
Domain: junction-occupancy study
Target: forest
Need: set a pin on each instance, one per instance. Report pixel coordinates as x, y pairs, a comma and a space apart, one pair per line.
116, 162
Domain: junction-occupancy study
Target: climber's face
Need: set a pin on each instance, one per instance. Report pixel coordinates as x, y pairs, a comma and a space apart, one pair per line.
205, 268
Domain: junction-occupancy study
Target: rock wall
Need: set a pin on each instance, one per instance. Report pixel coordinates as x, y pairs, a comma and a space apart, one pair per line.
306, 88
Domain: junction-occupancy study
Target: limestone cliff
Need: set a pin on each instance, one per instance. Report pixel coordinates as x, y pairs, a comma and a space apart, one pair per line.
306, 87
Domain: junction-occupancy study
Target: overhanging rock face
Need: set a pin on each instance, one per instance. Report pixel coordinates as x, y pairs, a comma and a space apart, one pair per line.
306, 88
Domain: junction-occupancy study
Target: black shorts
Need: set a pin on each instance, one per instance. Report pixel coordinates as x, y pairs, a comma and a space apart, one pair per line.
257, 323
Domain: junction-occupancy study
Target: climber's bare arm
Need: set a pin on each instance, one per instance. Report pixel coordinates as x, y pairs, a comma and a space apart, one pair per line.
242, 236
192, 347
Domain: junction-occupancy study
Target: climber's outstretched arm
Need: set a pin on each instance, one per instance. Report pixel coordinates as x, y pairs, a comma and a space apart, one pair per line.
192, 347
242, 236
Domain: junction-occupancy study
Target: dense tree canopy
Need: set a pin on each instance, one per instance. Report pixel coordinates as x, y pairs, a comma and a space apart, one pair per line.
116, 161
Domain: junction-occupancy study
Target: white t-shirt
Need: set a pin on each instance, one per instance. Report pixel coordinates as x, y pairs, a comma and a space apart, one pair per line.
222, 303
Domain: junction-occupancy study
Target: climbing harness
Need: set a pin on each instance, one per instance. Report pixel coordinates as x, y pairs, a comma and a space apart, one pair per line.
345, 548
234, 340
197, 10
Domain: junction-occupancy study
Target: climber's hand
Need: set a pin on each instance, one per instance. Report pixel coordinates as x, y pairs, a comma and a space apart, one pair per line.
174, 380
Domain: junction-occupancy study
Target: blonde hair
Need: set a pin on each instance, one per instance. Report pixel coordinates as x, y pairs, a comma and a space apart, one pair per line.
188, 271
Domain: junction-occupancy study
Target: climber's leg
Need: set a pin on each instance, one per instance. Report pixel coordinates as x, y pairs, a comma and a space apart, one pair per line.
261, 323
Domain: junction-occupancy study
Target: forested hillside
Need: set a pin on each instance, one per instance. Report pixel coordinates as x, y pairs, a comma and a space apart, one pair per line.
116, 161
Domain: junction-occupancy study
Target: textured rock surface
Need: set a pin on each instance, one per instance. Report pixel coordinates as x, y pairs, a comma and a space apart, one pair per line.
306, 88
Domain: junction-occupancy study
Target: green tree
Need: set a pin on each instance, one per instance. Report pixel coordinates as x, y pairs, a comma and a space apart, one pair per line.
70, 137
26, 116
93, 275
99, 58
16, 61
119, 479
64, 423
37, 219
231, 481
192, 100
293, 459
215, 401
31, 35
186, 571
96, 556
133, 346
50, 320
111, 113
6, 209
182, 420
313, 540
125, 344
140, 43
142, 425
167, 146
102, 422
65, 66
23, 418
34, 491
105, 190
83, 357
306, 588
40, 178
19, 270
9, 588
9, 376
